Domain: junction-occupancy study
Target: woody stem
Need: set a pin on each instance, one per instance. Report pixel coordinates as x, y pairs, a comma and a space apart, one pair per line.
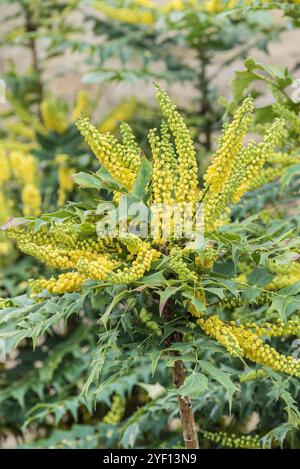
189, 429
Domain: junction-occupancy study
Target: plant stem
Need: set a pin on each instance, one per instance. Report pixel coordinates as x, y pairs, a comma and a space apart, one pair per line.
31, 27
189, 428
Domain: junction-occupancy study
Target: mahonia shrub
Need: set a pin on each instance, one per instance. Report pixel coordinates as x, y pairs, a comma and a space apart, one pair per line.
221, 314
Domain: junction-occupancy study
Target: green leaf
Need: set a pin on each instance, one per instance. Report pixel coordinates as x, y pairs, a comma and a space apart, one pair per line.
194, 385
154, 391
277, 434
113, 304
142, 180
87, 181
240, 83
220, 376
260, 277
165, 295
130, 435
156, 279
288, 176
100, 180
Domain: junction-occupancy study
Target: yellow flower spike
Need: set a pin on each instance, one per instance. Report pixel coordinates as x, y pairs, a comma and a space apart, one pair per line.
16, 159
123, 112
82, 105
164, 178
147, 318
240, 341
178, 5
60, 236
214, 6
19, 130
145, 255
5, 172
106, 152
54, 116
117, 411
29, 170
216, 328
192, 309
284, 280
283, 159
287, 268
287, 274
187, 187
131, 15
206, 260
4, 208
65, 283
264, 177
24, 168
12, 145
233, 441
162, 167
179, 266
31, 199
254, 160
244, 168
97, 269
65, 182
290, 116
173, 5
279, 329
144, 3
231, 143
131, 148
255, 350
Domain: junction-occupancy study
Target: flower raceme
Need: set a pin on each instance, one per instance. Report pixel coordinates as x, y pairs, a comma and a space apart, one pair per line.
233, 441
134, 14
286, 274
241, 341
124, 258
174, 180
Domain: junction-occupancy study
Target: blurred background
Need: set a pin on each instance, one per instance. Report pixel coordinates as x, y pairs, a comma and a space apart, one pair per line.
64, 75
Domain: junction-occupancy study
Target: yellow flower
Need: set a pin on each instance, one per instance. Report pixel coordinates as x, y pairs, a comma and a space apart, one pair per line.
107, 150
131, 15
234, 168
178, 5
82, 105
186, 190
123, 112
140, 265
217, 6
287, 274
179, 266
147, 318
117, 411
65, 283
5, 167
31, 199
54, 116
230, 144
66, 183
233, 441
163, 164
